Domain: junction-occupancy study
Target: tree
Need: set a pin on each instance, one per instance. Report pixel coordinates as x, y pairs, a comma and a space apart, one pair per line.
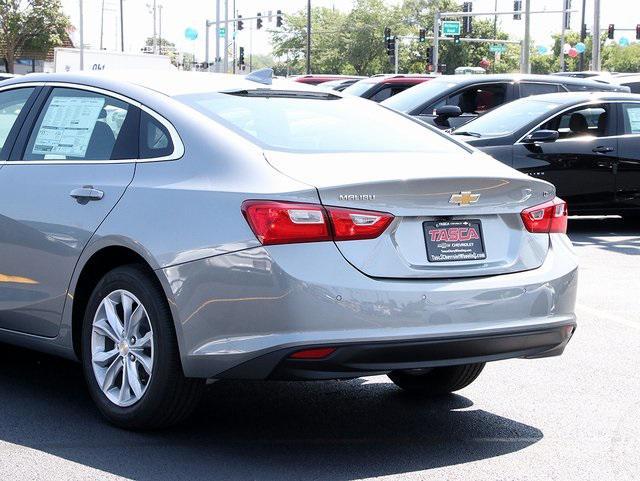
35, 25
622, 59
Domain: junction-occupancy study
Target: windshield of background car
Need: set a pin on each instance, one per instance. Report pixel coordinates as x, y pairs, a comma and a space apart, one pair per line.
508, 118
359, 87
414, 97
325, 124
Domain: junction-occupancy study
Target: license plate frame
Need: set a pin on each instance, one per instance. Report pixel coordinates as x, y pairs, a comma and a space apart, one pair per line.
454, 240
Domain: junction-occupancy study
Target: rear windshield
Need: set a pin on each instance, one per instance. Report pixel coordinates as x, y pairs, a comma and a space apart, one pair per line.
359, 87
414, 97
320, 124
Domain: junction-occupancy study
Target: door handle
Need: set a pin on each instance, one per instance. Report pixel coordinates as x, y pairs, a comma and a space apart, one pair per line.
86, 193
601, 149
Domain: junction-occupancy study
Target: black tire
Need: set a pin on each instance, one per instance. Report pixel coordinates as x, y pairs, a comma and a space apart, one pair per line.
437, 381
169, 397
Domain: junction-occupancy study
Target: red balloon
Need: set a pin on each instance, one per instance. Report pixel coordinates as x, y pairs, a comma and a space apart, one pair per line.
484, 63
573, 52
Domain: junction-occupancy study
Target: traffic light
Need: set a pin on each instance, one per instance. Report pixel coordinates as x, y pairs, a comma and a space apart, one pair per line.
423, 35
638, 32
241, 56
429, 54
279, 18
611, 30
456, 39
517, 7
240, 22
259, 21
391, 47
467, 22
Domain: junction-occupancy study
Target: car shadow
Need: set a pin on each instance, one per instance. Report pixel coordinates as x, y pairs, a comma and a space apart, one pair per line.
609, 233
248, 430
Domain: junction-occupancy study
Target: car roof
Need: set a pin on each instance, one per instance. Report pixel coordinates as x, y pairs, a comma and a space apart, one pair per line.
170, 82
398, 78
579, 97
471, 79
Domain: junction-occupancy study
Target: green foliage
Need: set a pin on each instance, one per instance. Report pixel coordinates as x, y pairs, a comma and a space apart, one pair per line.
352, 43
621, 59
30, 25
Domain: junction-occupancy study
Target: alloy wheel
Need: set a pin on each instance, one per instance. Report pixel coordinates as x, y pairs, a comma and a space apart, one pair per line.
122, 348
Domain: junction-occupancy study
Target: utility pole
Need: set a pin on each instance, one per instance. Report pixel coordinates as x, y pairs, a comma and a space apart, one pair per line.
308, 36
526, 62
596, 35
121, 26
436, 39
155, 33
562, 44
583, 27
217, 35
235, 15
160, 28
102, 25
226, 37
81, 35
495, 19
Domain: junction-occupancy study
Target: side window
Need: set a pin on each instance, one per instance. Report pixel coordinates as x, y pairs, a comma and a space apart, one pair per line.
11, 103
83, 125
527, 89
479, 98
635, 87
594, 121
631, 118
155, 140
383, 94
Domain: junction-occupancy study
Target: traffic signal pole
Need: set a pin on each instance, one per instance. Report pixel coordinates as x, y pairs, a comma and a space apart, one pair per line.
396, 52
596, 36
525, 63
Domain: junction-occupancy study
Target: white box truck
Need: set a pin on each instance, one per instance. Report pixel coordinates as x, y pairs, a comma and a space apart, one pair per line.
68, 60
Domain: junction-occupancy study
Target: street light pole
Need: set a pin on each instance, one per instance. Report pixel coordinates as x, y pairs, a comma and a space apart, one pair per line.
596, 35
81, 35
102, 25
160, 27
155, 33
582, 33
308, 36
436, 39
226, 37
526, 62
121, 26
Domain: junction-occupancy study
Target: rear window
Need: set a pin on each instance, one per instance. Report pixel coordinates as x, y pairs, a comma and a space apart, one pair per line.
320, 124
417, 96
359, 87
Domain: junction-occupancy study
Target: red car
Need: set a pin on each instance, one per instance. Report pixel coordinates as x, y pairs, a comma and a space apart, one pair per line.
315, 79
381, 87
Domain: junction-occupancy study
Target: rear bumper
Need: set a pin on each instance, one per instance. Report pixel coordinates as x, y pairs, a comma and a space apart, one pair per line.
241, 314
362, 359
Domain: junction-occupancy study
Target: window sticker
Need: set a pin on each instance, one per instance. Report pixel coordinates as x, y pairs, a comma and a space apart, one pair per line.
634, 119
67, 126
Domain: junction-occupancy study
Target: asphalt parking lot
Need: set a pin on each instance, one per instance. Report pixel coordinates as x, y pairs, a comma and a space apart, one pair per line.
572, 417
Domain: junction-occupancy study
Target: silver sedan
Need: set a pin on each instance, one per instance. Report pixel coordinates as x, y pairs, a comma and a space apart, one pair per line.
167, 229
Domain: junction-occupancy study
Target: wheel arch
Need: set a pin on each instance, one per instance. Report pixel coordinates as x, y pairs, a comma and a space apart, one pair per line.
102, 257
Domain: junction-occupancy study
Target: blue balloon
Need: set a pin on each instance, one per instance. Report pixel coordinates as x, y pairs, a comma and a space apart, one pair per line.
624, 41
581, 47
191, 33
542, 49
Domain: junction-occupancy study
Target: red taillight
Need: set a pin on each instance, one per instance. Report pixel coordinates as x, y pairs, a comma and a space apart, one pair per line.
547, 218
276, 222
351, 224
285, 223
316, 353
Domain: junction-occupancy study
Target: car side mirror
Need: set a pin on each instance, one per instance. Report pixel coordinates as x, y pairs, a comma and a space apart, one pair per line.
541, 136
445, 112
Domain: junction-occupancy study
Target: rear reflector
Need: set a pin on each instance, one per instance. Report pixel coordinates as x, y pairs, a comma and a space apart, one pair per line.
317, 353
548, 218
276, 222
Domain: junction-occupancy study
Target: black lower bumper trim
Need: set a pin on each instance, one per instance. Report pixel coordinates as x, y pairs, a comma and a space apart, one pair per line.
361, 359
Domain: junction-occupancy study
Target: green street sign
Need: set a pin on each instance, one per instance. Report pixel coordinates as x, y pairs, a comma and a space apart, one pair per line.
451, 28
498, 48
221, 32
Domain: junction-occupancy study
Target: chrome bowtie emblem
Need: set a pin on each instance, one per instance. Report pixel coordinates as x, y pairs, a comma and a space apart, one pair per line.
464, 198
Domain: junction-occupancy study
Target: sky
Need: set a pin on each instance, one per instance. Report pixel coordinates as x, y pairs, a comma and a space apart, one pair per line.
178, 15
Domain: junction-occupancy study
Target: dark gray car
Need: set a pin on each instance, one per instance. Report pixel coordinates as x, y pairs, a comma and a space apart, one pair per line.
169, 229
453, 100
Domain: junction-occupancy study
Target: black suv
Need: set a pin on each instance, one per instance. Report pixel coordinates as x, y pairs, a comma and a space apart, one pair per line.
450, 101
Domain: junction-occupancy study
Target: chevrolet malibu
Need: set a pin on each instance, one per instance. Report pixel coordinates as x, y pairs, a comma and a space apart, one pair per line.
168, 230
